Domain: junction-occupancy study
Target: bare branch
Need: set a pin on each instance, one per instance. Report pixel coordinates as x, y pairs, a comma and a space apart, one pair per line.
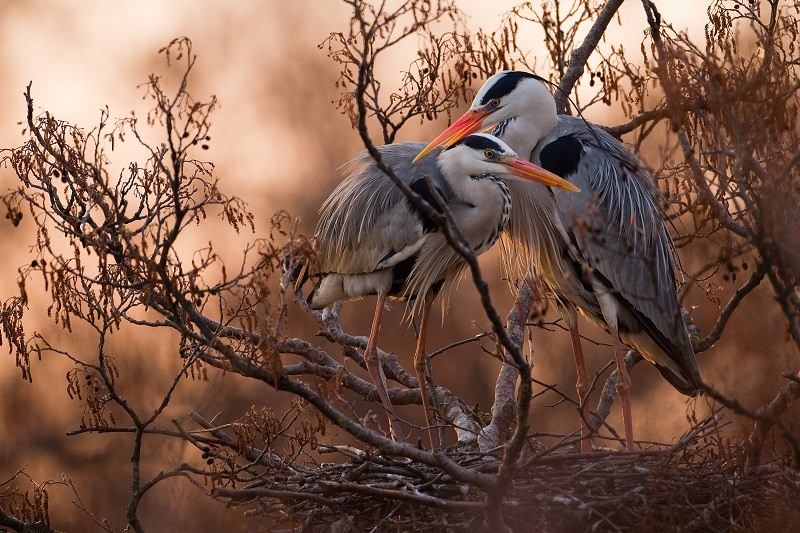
503, 420
579, 56
772, 411
700, 345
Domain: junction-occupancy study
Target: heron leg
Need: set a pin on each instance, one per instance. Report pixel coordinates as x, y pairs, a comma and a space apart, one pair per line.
582, 387
421, 369
375, 369
623, 388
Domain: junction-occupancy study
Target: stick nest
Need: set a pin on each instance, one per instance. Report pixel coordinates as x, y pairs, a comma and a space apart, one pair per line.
702, 483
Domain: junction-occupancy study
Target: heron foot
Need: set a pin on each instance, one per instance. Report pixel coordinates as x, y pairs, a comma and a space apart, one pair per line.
623, 389
582, 387
421, 369
375, 369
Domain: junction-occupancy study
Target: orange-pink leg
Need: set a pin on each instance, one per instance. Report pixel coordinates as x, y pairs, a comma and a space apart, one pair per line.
421, 368
623, 388
582, 387
376, 370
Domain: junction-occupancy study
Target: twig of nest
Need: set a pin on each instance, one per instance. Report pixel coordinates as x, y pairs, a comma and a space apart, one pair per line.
700, 483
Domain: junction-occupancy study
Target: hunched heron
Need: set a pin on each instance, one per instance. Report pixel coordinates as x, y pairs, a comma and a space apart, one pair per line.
606, 251
373, 241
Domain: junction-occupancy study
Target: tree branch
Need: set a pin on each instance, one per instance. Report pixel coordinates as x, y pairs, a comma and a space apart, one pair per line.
502, 424
579, 56
783, 399
701, 345
15, 524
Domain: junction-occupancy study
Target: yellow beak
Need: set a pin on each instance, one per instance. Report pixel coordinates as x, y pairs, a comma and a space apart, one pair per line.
470, 122
525, 169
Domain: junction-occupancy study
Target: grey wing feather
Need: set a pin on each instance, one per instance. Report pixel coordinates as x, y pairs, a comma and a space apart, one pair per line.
617, 224
364, 223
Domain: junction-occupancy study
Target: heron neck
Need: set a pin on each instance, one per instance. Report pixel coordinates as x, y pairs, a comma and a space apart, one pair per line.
485, 189
523, 133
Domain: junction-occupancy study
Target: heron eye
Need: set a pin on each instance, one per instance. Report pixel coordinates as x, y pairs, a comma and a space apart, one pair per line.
489, 153
494, 102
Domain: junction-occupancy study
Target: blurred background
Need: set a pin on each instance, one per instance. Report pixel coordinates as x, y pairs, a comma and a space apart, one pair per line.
277, 141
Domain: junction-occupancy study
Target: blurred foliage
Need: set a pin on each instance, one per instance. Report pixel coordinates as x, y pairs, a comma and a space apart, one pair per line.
111, 250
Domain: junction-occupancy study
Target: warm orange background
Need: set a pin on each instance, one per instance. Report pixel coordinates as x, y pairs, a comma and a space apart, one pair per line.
277, 141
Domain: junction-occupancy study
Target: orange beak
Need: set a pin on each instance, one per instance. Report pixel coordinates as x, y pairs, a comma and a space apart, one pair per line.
470, 122
525, 169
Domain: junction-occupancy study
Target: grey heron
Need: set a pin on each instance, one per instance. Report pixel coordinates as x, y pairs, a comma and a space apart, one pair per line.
605, 251
373, 241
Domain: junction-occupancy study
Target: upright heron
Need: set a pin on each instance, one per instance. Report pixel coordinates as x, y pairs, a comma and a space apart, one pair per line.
372, 240
604, 251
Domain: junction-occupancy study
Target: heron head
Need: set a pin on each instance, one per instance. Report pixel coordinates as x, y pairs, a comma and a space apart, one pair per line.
482, 153
507, 94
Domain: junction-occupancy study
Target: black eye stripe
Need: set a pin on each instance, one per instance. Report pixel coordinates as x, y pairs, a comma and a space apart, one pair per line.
505, 84
481, 142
